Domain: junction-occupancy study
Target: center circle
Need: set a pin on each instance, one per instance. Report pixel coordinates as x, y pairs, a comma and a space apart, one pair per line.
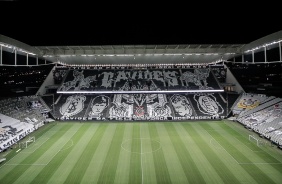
141, 145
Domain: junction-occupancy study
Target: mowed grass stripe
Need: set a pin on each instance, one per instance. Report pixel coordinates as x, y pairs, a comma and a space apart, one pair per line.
47, 155
214, 157
71, 158
135, 172
71, 138
41, 135
19, 171
234, 141
187, 162
149, 174
161, 167
268, 148
204, 166
123, 166
240, 135
52, 151
82, 144
251, 169
233, 166
176, 172
272, 171
263, 155
109, 167
58, 145
100, 150
15, 158
222, 140
53, 166
21, 157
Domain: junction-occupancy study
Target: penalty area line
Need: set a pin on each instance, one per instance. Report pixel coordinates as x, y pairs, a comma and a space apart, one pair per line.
223, 148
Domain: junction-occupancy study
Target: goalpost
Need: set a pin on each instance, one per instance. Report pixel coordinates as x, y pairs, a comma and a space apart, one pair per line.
30, 140
257, 140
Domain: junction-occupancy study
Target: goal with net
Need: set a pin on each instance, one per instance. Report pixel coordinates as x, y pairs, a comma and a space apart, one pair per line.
25, 144
257, 140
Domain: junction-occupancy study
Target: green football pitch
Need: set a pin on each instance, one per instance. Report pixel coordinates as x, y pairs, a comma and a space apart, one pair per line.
142, 153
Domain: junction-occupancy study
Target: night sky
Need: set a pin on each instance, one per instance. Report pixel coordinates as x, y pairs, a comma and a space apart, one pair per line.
42, 25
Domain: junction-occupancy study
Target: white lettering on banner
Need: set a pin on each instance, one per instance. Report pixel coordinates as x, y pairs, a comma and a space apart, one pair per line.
171, 78
6, 144
158, 118
197, 75
128, 67
107, 80
158, 75
180, 118
192, 117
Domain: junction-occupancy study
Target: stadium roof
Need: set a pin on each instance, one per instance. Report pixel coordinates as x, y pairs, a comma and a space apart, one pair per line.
78, 33
126, 54
131, 54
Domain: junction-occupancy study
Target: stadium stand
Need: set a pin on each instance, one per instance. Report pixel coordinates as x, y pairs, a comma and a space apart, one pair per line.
263, 117
136, 94
12, 131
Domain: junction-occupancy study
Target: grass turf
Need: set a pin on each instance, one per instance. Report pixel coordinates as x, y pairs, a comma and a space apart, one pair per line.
142, 152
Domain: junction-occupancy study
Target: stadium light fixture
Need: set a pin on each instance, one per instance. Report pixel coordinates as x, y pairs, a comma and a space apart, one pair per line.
16, 48
262, 46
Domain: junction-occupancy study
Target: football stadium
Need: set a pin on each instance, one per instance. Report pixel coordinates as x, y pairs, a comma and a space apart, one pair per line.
186, 113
